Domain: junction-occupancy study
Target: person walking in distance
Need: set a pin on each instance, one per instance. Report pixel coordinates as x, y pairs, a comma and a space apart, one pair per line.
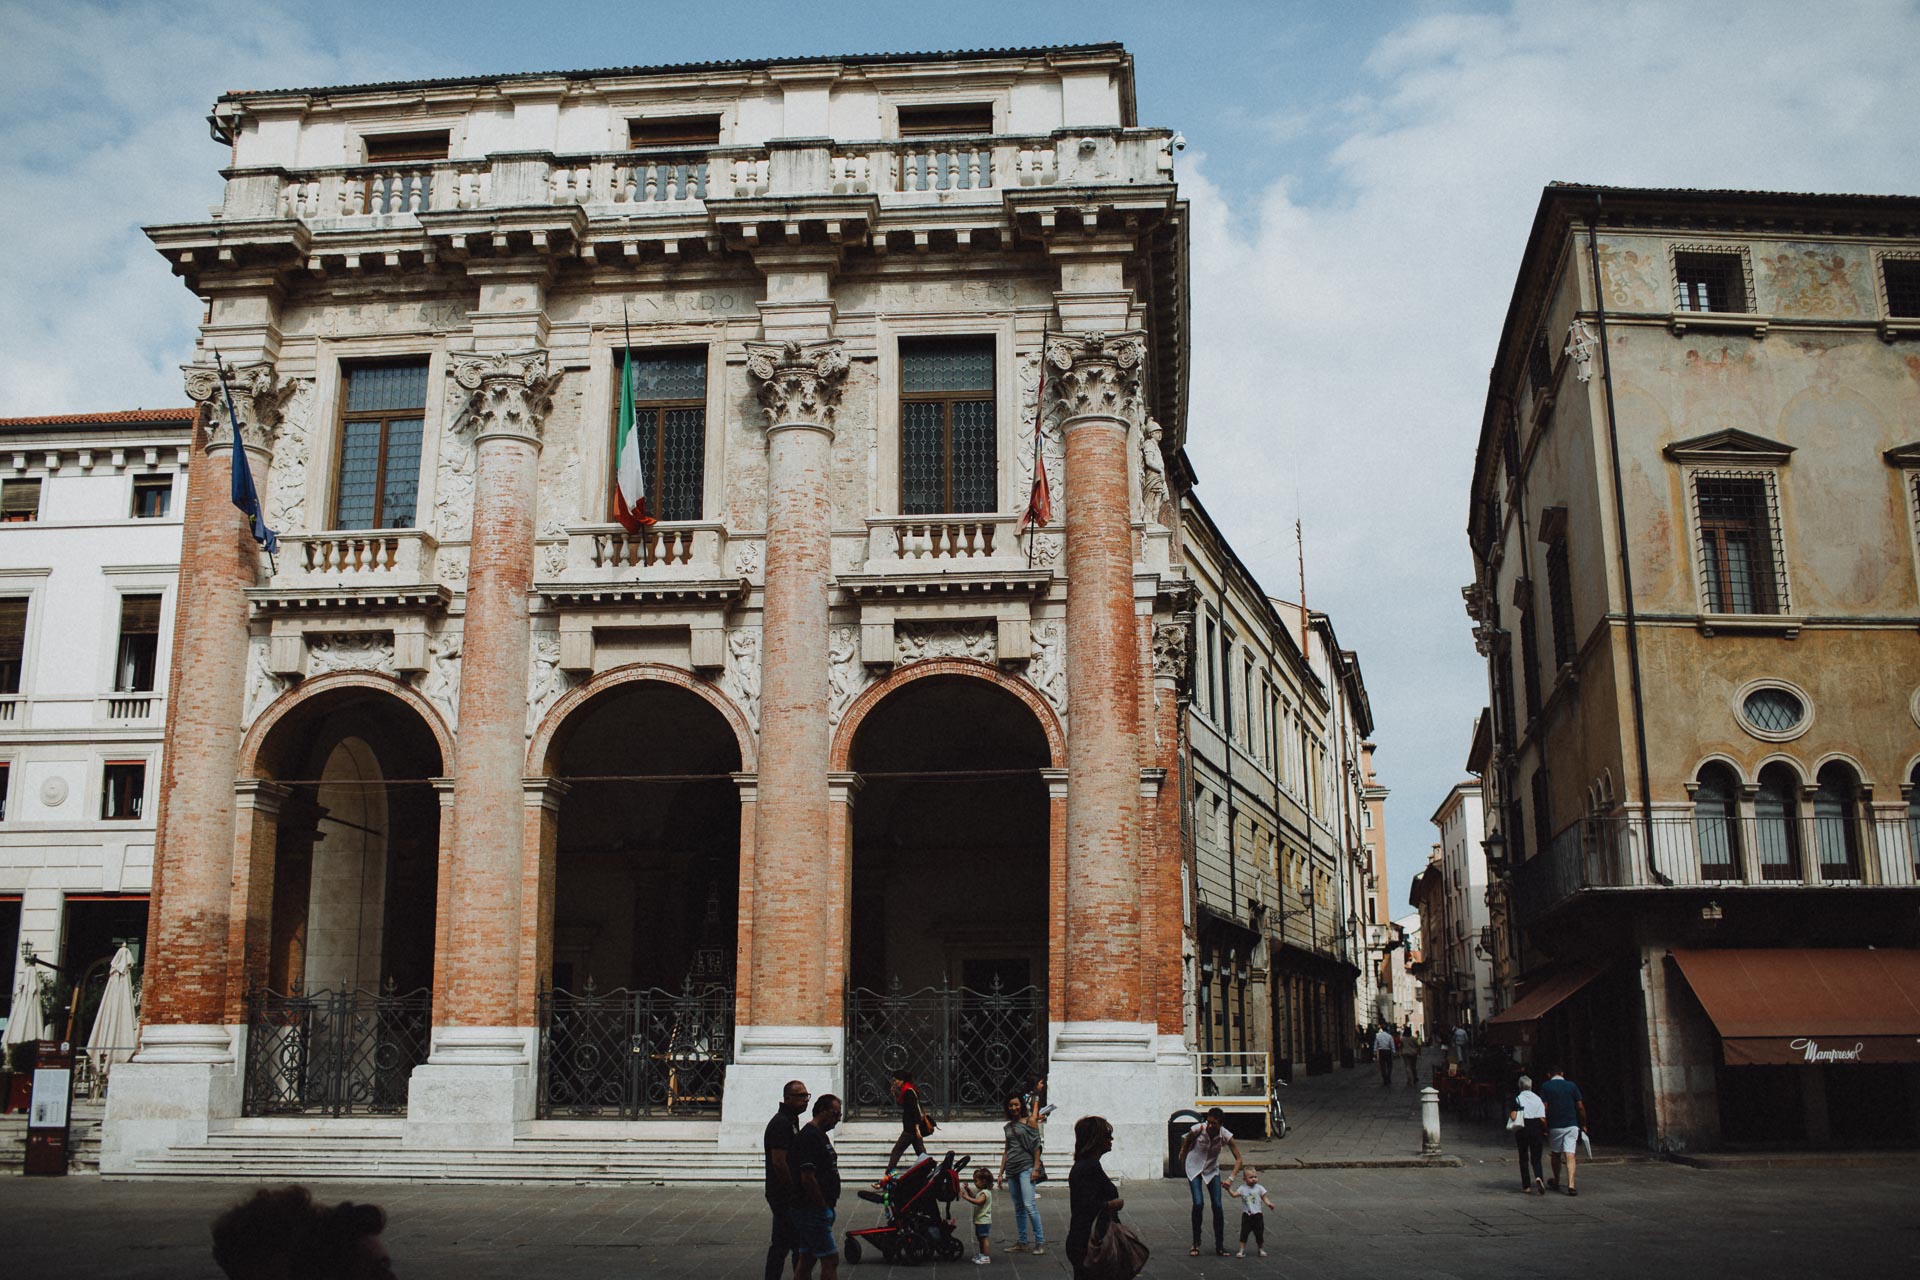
1091, 1194
1383, 1050
777, 1145
914, 1125
1018, 1160
1529, 1113
816, 1168
1566, 1117
1200, 1153
1410, 1050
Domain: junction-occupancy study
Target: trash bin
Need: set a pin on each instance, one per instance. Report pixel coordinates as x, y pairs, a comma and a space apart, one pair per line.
1178, 1125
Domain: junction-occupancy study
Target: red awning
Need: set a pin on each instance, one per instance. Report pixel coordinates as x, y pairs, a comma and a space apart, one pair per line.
1516, 1023
1790, 1007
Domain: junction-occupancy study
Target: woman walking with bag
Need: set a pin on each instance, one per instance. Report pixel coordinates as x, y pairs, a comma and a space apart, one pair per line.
914, 1122
1095, 1201
1528, 1121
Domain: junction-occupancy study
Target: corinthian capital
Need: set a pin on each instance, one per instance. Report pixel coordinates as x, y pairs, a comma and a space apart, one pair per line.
1098, 373
800, 383
507, 391
258, 397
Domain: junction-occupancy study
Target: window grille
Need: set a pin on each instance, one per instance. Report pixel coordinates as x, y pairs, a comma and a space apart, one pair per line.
1740, 552
670, 429
1560, 601
380, 427
948, 442
1710, 282
1902, 279
1773, 710
13, 643
139, 644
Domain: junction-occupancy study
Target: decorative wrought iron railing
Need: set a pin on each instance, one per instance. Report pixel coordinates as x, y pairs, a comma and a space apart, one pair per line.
626, 1053
969, 1051
334, 1053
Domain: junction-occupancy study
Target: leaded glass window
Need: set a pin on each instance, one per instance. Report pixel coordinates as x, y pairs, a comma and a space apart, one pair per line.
670, 429
379, 474
949, 447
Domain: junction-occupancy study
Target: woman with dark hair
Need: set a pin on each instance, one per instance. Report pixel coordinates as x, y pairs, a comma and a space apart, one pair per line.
912, 1132
1091, 1193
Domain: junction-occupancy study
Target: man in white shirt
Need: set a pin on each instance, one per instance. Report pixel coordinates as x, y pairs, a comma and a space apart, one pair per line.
1200, 1154
1383, 1054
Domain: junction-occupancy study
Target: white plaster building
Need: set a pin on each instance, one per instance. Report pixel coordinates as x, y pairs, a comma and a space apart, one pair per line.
1467, 941
89, 554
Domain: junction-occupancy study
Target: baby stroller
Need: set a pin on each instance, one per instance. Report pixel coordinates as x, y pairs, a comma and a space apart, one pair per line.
918, 1202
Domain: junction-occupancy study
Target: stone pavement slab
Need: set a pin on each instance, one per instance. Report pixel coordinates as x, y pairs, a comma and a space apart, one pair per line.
1346, 1118
1636, 1221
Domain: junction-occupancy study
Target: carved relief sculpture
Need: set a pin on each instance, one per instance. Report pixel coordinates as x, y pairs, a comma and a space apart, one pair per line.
1156, 500
350, 651
508, 393
918, 641
1171, 642
1047, 671
258, 398
847, 676
1052, 444
453, 477
263, 684
287, 483
441, 683
741, 678
1098, 373
546, 681
798, 382
1581, 344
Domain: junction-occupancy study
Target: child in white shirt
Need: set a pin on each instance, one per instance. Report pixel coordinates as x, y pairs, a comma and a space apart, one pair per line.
1252, 1221
980, 1196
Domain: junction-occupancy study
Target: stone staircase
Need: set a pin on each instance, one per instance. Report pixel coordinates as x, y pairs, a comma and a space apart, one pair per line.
83, 1150
631, 1152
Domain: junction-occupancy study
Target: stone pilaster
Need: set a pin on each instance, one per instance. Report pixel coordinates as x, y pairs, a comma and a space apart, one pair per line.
795, 1028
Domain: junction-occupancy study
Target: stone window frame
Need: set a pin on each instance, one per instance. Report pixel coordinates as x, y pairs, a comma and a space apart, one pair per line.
1011, 424
997, 98
25, 584
107, 758
603, 512
321, 460
1892, 326
1749, 320
111, 627
1769, 475
1737, 701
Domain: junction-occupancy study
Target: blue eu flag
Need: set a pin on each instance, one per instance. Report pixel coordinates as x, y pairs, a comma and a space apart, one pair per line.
245, 496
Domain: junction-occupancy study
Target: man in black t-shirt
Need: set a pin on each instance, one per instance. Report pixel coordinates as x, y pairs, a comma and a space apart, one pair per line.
778, 1144
816, 1167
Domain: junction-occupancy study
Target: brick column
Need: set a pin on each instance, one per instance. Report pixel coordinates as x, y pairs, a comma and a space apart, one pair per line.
479, 1078
796, 1016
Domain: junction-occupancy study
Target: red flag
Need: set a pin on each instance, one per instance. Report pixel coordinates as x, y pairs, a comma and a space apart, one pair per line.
1039, 510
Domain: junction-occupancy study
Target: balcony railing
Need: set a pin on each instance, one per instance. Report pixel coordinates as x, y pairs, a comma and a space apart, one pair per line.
610, 554
905, 543
906, 171
1598, 854
356, 558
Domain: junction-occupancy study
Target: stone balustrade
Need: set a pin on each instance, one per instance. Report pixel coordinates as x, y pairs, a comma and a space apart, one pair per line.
607, 553
908, 172
356, 558
897, 543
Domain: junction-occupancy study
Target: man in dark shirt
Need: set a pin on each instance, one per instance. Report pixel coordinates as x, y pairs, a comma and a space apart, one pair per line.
816, 1167
777, 1143
1566, 1121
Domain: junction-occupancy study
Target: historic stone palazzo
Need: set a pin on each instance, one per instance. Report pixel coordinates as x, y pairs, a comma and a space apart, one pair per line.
482, 808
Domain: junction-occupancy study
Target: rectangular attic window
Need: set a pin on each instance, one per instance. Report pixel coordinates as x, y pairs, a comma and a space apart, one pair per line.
946, 119
674, 131
387, 148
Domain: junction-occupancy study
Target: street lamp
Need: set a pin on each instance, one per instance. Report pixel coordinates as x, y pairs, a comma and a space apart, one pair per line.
1495, 847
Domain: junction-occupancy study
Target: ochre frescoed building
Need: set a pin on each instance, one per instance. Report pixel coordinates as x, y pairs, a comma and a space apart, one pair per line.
482, 810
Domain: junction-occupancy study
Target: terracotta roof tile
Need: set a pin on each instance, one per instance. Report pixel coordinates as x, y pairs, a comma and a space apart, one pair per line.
114, 418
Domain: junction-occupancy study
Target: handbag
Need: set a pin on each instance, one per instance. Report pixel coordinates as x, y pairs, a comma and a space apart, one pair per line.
1116, 1254
927, 1125
1514, 1123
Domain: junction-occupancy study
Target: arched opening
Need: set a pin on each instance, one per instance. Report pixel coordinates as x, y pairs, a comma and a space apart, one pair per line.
950, 894
1836, 821
638, 1016
1913, 820
339, 1010
1716, 822
1776, 820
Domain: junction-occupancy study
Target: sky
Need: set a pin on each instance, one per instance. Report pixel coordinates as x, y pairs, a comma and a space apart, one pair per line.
1362, 176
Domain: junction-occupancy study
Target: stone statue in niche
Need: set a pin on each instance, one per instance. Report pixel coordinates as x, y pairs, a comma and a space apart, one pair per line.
919, 641
350, 651
441, 684
1047, 671
1156, 500
741, 677
847, 676
546, 682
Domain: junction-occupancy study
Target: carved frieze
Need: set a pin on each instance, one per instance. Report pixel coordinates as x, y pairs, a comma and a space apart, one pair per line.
741, 676
350, 651
798, 383
918, 641
508, 393
287, 483
453, 474
258, 397
1098, 374
847, 676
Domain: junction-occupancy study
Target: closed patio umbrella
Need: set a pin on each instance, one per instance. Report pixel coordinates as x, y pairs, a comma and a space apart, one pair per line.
25, 1024
111, 1039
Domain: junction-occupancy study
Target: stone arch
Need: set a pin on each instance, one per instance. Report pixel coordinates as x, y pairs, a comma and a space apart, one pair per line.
1861, 777
1740, 775
871, 697
1801, 775
334, 681
540, 750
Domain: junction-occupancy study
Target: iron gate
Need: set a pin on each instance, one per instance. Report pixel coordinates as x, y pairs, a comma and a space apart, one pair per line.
333, 1053
631, 1053
969, 1051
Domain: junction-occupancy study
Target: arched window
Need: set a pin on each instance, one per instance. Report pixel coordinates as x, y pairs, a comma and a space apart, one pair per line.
1776, 820
1836, 827
1716, 823
1913, 820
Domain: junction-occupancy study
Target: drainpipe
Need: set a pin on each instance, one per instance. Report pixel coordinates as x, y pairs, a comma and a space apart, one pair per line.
1626, 559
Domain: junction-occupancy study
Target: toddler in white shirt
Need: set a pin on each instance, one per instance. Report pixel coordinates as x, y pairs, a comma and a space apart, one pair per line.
1252, 1222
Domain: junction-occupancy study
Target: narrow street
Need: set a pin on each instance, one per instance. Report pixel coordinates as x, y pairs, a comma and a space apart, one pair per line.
1346, 1119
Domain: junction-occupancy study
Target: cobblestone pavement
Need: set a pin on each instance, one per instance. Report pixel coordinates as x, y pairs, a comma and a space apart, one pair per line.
1346, 1117
1638, 1220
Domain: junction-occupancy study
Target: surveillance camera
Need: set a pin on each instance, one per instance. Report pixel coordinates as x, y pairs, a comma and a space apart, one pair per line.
1179, 142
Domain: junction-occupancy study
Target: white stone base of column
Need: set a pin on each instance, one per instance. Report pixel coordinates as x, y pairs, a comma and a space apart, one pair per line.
1127, 1072
475, 1087
183, 1083
764, 1059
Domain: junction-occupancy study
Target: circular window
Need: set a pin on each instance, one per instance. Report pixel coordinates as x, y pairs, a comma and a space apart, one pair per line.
1773, 711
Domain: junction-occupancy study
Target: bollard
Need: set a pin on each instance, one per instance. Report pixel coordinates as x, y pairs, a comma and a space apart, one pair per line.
1429, 1121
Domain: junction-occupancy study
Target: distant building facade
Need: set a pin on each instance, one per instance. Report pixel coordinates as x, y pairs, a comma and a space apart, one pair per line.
1695, 522
1465, 937
89, 556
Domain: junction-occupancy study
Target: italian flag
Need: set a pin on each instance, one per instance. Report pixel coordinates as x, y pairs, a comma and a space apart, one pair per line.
629, 493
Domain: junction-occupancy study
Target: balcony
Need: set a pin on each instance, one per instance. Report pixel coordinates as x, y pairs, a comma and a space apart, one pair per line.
608, 555
1597, 855
355, 558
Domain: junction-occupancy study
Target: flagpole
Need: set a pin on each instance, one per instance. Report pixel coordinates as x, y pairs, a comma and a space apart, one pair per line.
256, 519
1039, 416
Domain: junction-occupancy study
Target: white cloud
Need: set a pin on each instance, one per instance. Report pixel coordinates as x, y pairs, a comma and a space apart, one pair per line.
1341, 345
